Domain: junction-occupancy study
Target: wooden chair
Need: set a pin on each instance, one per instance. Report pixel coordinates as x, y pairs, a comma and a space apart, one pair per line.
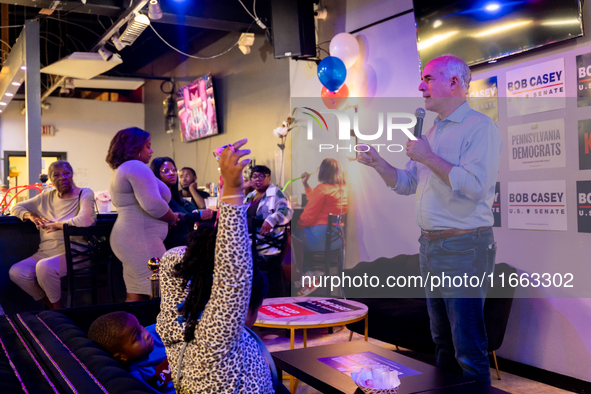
88, 255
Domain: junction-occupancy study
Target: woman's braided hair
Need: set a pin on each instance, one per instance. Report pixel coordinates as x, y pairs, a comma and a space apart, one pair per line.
196, 270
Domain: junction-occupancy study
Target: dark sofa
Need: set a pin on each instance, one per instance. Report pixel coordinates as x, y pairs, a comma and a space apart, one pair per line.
399, 315
51, 348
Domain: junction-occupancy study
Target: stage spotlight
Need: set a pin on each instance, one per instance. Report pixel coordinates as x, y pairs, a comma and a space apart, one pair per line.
118, 44
134, 29
154, 11
245, 42
105, 53
492, 7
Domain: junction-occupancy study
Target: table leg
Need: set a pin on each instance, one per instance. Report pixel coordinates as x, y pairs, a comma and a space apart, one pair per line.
366, 328
305, 337
293, 381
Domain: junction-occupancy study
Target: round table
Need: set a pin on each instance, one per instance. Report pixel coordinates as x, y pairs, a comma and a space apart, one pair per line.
307, 318
284, 312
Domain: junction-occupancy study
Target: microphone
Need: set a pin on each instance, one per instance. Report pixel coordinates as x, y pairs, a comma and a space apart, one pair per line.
420, 114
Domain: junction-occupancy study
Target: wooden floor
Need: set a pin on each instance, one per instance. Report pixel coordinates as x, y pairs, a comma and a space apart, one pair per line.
276, 340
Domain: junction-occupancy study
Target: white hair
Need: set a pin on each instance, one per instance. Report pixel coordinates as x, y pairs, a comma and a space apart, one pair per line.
59, 163
453, 66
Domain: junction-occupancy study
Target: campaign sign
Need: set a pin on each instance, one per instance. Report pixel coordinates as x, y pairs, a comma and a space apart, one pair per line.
537, 145
328, 306
584, 80
585, 144
354, 362
496, 207
584, 206
279, 311
483, 97
539, 205
537, 88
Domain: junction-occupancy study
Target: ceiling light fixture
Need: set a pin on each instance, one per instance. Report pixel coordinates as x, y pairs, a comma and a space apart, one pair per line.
154, 11
16, 84
105, 54
245, 42
67, 86
9, 94
134, 29
2, 103
118, 44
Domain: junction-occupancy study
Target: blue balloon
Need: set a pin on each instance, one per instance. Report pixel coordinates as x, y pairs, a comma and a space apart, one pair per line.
332, 73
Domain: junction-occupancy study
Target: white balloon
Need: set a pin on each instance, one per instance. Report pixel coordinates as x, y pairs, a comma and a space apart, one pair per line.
357, 81
345, 47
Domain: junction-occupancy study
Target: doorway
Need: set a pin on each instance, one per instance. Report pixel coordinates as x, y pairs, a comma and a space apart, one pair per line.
15, 166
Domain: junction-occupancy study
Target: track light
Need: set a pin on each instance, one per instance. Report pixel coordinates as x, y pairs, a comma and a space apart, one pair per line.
134, 29
68, 85
118, 44
245, 42
105, 53
154, 11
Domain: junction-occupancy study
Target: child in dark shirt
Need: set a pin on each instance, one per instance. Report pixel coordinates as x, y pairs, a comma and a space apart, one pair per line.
138, 348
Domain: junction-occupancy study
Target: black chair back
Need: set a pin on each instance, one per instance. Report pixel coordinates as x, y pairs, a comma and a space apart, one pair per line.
88, 255
264, 242
498, 306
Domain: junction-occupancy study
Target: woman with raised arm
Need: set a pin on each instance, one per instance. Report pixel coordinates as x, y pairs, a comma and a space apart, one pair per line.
142, 208
210, 298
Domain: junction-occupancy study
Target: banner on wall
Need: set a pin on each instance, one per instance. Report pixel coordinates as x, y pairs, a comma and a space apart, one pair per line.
584, 206
537, 88
496, 207
585, 144
483, 97
539, 205
537, 145
584, 80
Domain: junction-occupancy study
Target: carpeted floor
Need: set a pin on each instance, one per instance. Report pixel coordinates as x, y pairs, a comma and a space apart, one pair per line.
277, 340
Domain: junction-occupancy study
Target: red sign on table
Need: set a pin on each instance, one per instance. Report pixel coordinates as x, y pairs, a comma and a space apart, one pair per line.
279, 311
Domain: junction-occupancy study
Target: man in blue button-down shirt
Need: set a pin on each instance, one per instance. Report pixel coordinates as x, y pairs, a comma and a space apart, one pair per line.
452, 173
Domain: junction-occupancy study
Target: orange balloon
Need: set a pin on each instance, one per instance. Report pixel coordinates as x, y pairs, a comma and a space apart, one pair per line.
335, 100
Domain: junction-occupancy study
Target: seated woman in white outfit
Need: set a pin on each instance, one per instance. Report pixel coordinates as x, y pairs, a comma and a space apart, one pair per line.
39, 275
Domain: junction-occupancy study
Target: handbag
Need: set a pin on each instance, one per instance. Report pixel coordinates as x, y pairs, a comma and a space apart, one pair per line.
98, 246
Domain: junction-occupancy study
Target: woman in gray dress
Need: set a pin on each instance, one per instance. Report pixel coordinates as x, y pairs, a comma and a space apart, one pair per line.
142, 206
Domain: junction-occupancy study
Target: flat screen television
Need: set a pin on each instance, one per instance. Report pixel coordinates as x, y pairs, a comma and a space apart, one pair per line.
197, 112
485, 30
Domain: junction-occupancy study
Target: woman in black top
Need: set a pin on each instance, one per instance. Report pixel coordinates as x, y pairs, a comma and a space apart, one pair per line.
165, 169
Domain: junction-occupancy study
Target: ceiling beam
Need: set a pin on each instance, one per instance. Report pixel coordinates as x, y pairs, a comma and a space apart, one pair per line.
205, 23
112, 8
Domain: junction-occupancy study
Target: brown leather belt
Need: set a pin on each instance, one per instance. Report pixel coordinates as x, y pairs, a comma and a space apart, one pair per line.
444, 234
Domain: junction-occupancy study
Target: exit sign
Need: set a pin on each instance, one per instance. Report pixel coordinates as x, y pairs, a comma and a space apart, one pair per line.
47, 130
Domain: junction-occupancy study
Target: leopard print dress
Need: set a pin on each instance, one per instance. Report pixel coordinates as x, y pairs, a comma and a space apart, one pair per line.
223, 357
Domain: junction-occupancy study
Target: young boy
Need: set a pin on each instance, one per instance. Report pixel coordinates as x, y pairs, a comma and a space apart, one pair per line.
138, 348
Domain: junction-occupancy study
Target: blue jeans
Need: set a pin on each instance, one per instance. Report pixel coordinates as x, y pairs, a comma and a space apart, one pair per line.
457, 312
314, 238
